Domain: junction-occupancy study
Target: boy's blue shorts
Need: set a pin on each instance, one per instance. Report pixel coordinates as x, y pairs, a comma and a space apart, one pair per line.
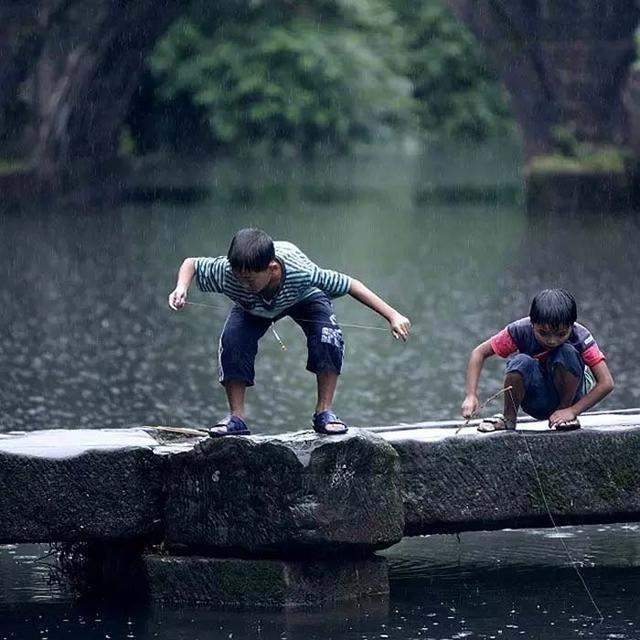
239, 340
541, 398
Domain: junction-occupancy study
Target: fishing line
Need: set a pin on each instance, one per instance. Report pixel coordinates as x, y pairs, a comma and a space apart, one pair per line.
573, 562
275, 333
210, 306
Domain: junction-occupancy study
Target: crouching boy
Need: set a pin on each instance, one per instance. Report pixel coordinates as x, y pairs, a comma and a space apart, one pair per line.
555, 369
269, 280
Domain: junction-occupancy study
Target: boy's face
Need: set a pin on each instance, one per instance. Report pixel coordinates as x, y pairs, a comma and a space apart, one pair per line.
256, 281
551, 337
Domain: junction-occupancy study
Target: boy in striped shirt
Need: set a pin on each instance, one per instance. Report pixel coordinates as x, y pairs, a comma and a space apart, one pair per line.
269, 280
555, 369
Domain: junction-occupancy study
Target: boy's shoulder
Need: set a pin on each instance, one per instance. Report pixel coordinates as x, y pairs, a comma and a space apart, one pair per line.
292, 255
212, 263
582, 333
522, 324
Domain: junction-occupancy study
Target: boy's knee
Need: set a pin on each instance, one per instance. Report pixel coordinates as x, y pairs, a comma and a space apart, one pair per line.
325, 349
567, 356
522, 364
236, 342
236, 357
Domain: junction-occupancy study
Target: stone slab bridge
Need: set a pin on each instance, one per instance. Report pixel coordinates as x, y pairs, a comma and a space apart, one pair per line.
295, 519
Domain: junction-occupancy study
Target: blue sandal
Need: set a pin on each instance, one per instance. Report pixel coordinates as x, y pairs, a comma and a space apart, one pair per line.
325, 418
229, 426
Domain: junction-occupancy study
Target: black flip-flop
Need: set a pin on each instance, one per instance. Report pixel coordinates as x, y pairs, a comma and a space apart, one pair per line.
229, 426
323, 419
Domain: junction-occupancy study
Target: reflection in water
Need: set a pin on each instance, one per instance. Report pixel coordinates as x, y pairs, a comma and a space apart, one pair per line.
509, 584
88, 339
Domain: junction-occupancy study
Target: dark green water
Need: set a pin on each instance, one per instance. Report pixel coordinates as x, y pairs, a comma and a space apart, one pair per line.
506, 585
87, 340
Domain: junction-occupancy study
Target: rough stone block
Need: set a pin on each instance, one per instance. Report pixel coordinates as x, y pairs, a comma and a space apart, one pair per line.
246, 583
55, 488
490, 482
291, 495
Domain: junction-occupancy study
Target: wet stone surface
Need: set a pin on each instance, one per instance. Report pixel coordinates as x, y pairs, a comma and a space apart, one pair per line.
75, 486
285, 496
509, 480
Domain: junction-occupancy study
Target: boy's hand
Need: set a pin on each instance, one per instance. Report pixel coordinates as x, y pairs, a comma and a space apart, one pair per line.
400, 327
470, 406
178, 298
560, 416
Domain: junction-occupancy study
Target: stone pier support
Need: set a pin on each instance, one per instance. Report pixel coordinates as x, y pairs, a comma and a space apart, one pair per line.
242, 583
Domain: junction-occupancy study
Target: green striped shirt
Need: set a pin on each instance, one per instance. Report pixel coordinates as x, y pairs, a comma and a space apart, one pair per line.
301, 278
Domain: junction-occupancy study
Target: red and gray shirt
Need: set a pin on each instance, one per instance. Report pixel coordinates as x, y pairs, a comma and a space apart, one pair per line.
519, 337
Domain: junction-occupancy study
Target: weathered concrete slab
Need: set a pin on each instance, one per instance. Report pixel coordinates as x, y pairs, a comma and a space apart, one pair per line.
294, 494
79, 485
492, 481
269, 584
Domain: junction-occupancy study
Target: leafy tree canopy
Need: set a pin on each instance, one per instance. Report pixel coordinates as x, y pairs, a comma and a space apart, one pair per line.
326, 72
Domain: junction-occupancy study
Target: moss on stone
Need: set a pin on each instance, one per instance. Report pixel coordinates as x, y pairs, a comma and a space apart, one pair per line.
9, 166
585, 160
557, 500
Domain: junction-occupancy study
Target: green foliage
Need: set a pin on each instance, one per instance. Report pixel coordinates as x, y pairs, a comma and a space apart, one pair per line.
457, 94
326, 72
299, 81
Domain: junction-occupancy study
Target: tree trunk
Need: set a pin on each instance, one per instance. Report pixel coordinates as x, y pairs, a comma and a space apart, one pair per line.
89, 68
564, 63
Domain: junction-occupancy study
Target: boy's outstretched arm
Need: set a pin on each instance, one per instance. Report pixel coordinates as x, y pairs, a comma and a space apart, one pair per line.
400, 326
476, 360
603, 387
178, 297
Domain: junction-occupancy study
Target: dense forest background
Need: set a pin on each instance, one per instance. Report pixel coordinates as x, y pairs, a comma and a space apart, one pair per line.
85, 83
289, 77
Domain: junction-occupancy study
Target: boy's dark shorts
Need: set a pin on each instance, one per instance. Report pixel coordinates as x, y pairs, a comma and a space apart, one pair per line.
541, 398
239, 340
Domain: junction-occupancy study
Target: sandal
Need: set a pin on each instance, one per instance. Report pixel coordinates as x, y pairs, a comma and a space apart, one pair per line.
322, 423
229, 426
496, 422
569, 425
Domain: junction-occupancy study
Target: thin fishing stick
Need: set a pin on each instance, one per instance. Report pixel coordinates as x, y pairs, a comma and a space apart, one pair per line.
486, 402
551, 518
455, 424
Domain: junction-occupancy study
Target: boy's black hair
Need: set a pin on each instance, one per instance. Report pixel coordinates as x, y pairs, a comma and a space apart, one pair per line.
251, 250
555, 307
